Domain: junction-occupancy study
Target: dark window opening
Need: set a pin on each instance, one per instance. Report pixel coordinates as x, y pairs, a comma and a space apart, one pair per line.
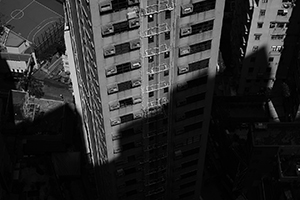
151, 94
189, 174
126, 102
186, 185
128, 146
166, 90
126, 118
167, 14
150, 39
192, 127
150, 18
166, 73
167, 35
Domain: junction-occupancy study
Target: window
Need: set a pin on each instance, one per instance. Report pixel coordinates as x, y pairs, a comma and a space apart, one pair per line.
252, 59
264, 1
126, 118
198, 7
251, 69
269, 69
257, 36
187, 194
150, 59
277, 37
260, 24
282, 12
150, 18
130, 193
262, 12
167, 35
150, 39
126, 102
166, 73
150, 77
192, 127
271, 59
186, 185
166, 90
255, 48
167, 54
151, 94
189, 164
128, 146
167, 14
131, 182
272, 24
280, 24
189, 174
196, 28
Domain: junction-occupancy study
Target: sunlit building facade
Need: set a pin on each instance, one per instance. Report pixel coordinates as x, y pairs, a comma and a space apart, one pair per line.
143, 81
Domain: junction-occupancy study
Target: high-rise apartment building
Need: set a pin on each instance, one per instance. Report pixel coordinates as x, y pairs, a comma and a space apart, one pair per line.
258, 38
143, 81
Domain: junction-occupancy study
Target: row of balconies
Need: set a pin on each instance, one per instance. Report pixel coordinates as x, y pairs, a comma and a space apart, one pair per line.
107, 6
109, 29
117, 105
111, 50
113, 69
114, 88
117, 121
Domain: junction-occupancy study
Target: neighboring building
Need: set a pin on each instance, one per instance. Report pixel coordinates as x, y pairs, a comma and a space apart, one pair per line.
143, 78
289, 163
260, 33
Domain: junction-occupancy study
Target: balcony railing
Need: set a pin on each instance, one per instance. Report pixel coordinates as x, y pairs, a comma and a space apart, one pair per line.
156, 30
157, 8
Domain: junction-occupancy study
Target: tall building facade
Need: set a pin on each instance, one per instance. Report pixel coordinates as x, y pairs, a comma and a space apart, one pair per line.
143, 81
259, 38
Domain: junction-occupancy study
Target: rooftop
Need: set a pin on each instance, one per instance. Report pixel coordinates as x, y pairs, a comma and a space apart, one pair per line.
13, 40
276, 134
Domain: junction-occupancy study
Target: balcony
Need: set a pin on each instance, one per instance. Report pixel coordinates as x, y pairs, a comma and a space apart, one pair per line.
158, 69
157, 86
156, 30
157, 8
156, 50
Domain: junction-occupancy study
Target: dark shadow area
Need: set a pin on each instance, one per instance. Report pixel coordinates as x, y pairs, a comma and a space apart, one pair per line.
287, 76
41, 156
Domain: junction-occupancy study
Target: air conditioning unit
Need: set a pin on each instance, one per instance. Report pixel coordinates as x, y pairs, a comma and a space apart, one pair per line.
178, 153
136, 83
179, 131
135, 64
182, 86
114, 122
111, 71
186, 9
117, 150
133, 23
184, 50
131, 2
120, 172
109, 51
105, 6
183, 69
137, 100
112, 89
132, 14
138, 115
114, 106
108, 29
136, 44
181, 102
185, 31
